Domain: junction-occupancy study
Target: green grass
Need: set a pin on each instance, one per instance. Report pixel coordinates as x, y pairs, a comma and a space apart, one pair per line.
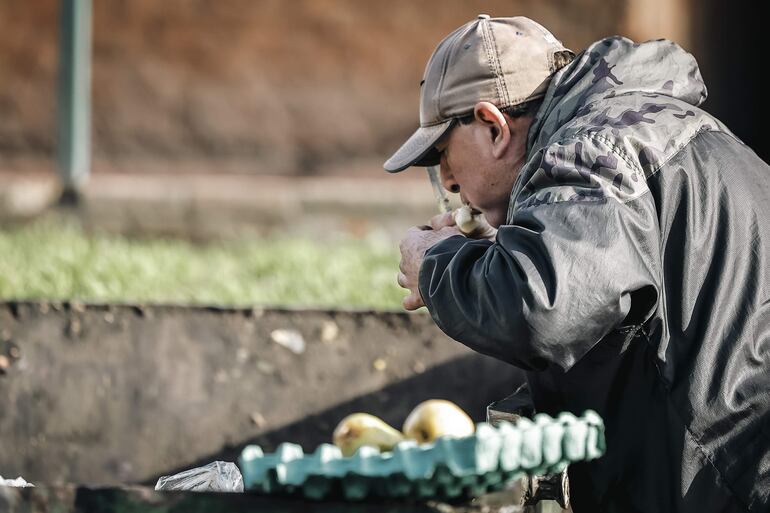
55, 262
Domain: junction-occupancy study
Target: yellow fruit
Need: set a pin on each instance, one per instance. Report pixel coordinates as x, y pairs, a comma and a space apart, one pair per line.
466, 220
359, 429
434, 418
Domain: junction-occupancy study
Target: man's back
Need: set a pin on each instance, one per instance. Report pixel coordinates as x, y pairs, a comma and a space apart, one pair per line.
685, 394
684, 391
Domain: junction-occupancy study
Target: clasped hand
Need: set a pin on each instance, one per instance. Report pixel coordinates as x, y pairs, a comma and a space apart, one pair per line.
413, 246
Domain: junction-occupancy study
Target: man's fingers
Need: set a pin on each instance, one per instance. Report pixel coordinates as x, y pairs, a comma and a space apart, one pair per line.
442, 221
402, 281
413, 247
412, 302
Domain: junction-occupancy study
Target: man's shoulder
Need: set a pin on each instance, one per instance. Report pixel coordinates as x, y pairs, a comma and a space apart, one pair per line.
579, 167
646, 128
609, 149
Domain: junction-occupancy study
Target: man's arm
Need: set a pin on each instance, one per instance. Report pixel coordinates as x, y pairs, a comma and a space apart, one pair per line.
560, 277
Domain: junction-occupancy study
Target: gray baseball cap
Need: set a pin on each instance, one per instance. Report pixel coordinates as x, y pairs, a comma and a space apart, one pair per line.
505, 61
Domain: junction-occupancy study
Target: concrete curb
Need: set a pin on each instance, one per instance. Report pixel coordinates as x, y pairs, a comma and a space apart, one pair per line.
224, 206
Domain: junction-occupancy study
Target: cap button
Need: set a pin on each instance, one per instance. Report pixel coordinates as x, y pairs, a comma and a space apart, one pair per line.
483, 16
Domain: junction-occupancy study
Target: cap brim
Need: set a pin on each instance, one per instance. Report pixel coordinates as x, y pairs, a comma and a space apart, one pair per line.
418, 149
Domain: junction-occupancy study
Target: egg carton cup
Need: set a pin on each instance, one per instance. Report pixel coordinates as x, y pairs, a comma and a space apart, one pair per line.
449, 468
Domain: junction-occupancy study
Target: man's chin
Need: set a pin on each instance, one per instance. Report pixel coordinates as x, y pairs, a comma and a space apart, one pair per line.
495, 219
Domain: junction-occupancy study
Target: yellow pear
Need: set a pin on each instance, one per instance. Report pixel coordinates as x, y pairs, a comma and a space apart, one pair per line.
359, 429
434, 418
466, 219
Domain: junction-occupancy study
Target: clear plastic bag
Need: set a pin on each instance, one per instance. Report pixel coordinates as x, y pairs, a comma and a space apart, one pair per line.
219, 476
19, 482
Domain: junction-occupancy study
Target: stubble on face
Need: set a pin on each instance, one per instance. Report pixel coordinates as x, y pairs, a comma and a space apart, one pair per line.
485, 181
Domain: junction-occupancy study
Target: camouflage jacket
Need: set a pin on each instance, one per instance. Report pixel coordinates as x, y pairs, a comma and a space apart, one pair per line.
633, 278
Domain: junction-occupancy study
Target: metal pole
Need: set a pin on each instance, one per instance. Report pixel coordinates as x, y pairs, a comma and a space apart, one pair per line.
73, 145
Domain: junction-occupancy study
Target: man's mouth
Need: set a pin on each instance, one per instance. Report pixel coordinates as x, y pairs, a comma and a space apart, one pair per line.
474, 209
465, 201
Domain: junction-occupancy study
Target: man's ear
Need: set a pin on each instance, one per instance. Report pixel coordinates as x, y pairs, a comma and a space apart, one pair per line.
494, 120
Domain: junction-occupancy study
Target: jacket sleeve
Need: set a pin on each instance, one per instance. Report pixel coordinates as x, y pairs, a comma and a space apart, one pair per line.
574, 263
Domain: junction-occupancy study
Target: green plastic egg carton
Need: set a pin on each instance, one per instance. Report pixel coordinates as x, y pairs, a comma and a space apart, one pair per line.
449, 468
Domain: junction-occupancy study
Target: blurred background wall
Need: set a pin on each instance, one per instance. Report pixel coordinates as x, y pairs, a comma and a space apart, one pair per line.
306, 87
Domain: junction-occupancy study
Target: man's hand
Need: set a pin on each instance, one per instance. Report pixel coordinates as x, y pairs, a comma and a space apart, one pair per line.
413, 247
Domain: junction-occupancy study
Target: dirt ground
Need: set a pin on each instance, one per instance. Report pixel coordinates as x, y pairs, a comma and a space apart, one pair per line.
106, 394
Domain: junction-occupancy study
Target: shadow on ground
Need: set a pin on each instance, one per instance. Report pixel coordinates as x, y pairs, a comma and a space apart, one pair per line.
472, 382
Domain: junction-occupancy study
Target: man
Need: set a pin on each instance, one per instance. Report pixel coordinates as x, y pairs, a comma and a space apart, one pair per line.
630, 270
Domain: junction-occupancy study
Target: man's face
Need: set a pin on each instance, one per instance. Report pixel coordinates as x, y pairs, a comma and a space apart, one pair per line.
481, 165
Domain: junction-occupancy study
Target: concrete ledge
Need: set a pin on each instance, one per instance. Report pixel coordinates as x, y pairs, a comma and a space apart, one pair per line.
208, 206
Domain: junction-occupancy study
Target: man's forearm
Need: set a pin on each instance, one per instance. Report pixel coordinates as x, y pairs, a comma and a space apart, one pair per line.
537, 297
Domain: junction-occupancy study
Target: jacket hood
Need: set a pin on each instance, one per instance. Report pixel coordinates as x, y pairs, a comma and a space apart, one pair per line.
613, 67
